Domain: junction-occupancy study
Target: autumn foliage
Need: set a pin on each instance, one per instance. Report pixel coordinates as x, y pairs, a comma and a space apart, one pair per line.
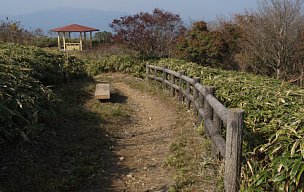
151, 34
202, 46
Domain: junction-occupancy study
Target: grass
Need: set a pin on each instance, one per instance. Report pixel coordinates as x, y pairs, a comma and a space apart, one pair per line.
195, 169
75, 150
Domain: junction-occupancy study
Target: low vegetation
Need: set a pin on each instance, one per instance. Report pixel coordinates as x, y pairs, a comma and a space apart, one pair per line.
26, 100
274, 118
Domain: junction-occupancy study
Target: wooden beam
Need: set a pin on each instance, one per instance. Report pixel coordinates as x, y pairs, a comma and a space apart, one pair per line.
63, 40
59, 45
85, 38
91, 44
80, 41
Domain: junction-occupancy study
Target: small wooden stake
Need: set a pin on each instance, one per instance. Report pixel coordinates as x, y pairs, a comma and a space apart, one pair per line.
207, 107
147, 72
164, 77
188, 93
180, 80
217, 122
172, 88
195, 93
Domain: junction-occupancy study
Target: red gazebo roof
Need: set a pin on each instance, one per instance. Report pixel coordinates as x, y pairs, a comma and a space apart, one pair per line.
74, 28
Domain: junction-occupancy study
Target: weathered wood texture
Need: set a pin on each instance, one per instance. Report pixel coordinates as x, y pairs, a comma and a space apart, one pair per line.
214, 114
102, 91
72, 46
233, 149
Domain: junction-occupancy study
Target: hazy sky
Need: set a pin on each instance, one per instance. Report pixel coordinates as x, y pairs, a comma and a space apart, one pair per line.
194, 9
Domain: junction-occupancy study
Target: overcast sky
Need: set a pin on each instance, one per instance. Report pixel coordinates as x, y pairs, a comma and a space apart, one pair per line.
188, 9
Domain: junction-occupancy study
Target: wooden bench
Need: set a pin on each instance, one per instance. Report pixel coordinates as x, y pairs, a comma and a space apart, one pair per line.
102, 91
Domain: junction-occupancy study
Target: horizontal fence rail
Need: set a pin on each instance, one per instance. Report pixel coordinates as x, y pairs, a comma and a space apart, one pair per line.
214, 115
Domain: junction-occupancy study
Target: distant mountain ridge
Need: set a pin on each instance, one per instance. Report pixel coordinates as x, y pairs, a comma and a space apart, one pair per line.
52, 18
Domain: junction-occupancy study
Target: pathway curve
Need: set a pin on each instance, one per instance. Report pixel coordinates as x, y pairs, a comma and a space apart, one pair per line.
142, 145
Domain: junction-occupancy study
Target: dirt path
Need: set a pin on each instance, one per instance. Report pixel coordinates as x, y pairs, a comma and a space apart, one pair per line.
144, 145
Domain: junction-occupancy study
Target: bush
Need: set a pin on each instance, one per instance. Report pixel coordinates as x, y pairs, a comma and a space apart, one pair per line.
25, 101
117, 63
202, 46
49, 67
24, 104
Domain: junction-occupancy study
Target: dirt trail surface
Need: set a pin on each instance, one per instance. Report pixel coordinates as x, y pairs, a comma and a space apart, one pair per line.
142, 146
146, 144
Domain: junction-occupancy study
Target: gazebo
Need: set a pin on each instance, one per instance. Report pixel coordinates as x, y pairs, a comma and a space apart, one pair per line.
66, 30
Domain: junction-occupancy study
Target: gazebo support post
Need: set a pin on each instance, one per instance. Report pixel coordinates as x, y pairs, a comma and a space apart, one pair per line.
91, 45
70, 37
80, 41
59, 46
85, 39
63, 40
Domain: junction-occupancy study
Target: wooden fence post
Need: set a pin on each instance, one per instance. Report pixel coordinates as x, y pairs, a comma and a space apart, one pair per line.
195, 93
201, 103
180, 81
164, 77
217, 122
188, 93
147, 72
172, 88
155, 73
207, 107
234, 135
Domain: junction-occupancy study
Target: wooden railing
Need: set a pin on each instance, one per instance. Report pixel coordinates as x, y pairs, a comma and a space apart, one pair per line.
214, 115
72, 46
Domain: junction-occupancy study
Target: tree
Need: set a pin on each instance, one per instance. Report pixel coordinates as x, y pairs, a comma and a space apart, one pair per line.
232, 34
202, 46
151, 34
103, 37
13, 32
272, 41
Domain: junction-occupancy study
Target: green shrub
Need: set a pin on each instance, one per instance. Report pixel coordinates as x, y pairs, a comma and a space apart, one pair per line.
116, 63
49, 67
74, 67
25, 101
24, 104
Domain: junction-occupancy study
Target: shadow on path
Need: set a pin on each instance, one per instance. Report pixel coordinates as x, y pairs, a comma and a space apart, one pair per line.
75, 150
